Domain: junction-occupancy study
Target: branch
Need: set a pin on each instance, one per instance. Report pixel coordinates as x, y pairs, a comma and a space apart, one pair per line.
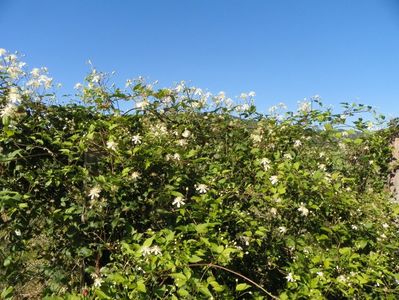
211, 265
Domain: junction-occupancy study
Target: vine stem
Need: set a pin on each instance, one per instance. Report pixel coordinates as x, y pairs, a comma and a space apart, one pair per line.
211, 265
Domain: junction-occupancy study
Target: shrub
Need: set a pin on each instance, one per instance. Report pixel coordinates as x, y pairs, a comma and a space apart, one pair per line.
174, 193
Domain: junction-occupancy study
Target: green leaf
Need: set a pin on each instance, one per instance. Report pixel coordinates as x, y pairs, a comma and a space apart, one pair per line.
7, 293
101, 294
182, 292
204, 290
23, 205
202, 228
191, 153
117, 278
141, 286
217, 248
7, 261
345, 250
180, 279
148, 242
194, 259
176, 194
361, 244
242, 286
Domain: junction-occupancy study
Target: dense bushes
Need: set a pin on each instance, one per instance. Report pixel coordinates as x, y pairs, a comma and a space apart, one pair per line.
180, 194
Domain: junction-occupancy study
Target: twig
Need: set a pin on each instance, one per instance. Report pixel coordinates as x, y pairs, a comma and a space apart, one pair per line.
211, 265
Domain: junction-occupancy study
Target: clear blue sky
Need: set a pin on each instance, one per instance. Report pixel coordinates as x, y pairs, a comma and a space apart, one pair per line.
283, 50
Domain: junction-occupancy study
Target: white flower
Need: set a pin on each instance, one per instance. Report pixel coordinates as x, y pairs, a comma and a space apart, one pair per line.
78, 86
143, 104
265, 163
136, 139
251, 94
305, 106
9, 110
176, 156
243, 96
202, 188
385, 225
13, 95
14, 71
197, 92
158, 130
303, 209
98, 282
2, 52
282, 105
354, 227
180, 87
219, 97
146, 250
244, 107
273, 109
35, 72
135, 175
370, 125
328, 177
297, 143
178, 201
256, 138
167, 99
45, 81
288, 156
17, 232
181, 142
282, 229
228, 102
94, 192
111, 145
95, 77
186, 133
273, 211
273, 179
290, 277
156, 250
321, 274
128, 83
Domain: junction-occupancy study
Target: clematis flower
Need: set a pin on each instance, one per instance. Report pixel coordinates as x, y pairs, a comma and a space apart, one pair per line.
273, 179
136, 139
282, 229
202, 188
111, 145
94, 192
265, 163
135, 175
178, 201
290, 277
186, 133
303, 209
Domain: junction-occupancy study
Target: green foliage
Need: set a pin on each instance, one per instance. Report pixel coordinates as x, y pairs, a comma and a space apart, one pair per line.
186, 196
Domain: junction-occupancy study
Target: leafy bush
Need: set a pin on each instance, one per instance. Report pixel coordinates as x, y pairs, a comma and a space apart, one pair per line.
140, 193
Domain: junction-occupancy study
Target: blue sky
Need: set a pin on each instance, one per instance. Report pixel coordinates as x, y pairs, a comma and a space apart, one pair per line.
284, 50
